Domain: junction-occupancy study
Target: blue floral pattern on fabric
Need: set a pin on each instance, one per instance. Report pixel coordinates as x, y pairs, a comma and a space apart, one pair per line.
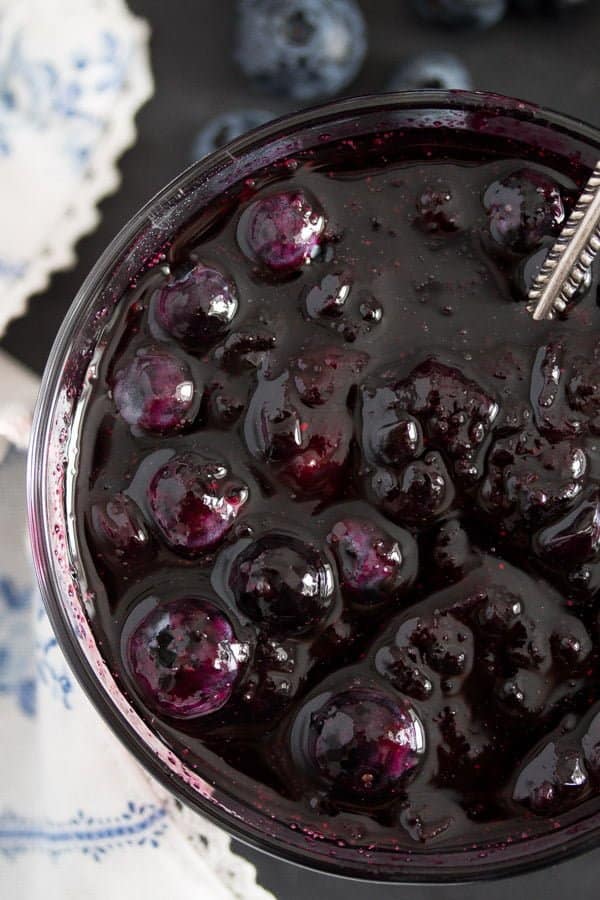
17, 664
139, 825
51, 666
21, 670
36, 91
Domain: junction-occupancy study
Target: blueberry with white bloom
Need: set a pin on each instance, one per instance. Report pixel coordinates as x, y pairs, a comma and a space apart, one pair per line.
431, 71
462, 13
225, 127
300, 48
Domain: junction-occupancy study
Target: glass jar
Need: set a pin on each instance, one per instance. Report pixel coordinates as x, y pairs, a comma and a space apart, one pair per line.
51, 459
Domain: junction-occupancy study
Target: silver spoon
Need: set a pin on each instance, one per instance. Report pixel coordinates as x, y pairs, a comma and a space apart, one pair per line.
569, 261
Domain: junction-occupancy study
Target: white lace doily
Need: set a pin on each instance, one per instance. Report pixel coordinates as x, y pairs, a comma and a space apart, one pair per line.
73, 74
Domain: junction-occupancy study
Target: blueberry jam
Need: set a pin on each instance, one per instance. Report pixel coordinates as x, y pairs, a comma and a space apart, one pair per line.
338, 496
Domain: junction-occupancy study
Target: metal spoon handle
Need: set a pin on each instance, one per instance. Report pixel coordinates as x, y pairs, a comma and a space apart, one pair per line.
571, 256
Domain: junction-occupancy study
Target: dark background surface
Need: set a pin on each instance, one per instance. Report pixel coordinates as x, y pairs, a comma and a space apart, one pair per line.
552, 62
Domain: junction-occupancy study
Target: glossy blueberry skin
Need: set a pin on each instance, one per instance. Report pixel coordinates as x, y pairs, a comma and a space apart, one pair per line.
197, 307
462, 13
225, 127
363, 743
283, 584
524, 208
373, 566
435, 70
155, 391
119, 527
185, 658
195, 502
301, 49
281, 231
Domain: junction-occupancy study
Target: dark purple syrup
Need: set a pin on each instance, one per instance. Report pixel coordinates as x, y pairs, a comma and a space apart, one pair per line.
339, 495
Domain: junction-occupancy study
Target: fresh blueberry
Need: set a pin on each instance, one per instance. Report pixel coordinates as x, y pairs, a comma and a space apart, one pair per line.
523, 209
185, 658
155, 391
300, 48
373, 565
281, 231
462, 13
431, 71
225, 127
196, 307
194, 502
283, 583
363, 743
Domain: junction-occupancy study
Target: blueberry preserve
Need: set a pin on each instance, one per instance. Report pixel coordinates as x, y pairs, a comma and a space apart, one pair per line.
338, 496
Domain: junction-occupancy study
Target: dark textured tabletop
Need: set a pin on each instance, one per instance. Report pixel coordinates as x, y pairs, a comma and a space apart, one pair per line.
554, 63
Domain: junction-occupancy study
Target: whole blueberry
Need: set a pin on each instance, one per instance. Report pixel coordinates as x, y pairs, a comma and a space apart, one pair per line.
462, 13
373, 565
283, 583
225, 127
362, 743
155, 391
196, 307
185, 658
194, 502
300, 48
431, 71
120, 531
282, 231
523, 208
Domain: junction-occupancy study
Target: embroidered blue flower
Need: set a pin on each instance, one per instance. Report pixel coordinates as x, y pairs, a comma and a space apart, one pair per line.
17, 665
51, 667
35, 92
24, 630
139, 825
